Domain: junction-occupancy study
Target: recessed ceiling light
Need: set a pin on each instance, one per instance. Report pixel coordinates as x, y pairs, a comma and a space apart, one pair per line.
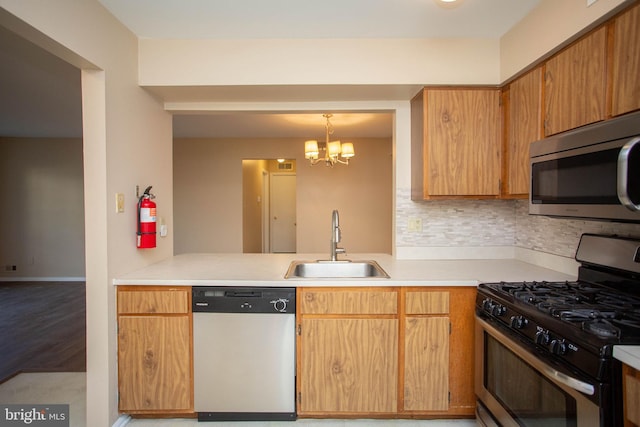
448, 4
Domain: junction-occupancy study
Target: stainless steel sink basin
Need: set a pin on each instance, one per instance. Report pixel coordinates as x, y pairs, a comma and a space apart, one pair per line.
335, 270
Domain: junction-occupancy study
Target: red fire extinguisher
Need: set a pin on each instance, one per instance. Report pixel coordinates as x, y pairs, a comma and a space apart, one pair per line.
146, 221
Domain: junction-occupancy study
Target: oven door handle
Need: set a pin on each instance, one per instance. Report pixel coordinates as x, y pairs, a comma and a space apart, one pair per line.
569, 381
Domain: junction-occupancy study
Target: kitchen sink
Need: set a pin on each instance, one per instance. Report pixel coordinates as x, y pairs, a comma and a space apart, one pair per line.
335, 270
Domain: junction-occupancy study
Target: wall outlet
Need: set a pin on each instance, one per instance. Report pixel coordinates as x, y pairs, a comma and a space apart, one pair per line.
10, 268
414, 225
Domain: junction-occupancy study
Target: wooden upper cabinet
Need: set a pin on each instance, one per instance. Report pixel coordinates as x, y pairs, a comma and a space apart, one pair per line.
575, 84
523, 122
626, 62
456, 144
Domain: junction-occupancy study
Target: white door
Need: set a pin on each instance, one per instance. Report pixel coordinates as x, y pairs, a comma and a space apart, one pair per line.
282, 204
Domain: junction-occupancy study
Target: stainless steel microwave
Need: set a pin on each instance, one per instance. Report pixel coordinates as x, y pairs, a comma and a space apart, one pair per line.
591, 172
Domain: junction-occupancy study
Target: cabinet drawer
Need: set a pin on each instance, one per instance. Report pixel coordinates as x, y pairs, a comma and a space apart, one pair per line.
349, 302
143, 301
427, 302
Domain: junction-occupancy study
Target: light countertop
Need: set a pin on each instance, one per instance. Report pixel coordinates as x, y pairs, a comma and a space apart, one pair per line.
628, 354
269, 270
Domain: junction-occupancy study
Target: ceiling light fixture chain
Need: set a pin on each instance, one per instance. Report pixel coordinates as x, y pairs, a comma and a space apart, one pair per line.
335, 151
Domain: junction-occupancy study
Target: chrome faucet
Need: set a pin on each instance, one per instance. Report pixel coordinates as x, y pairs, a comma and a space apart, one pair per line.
335, 236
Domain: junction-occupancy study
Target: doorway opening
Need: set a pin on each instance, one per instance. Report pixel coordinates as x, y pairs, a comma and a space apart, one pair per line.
269, 206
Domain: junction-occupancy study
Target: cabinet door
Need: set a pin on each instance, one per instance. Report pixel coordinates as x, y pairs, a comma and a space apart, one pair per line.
524, 127
575, 84
462, 154
154, 363
349, 365
462, 350
426, 364
626, 62
631, 405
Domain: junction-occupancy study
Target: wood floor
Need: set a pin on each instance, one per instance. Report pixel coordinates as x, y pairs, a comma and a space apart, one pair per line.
42, 327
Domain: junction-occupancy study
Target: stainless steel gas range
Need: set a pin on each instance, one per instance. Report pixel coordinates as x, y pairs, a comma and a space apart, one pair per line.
544, 349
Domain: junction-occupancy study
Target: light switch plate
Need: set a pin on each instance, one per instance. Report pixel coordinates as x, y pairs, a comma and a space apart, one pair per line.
590, 2
119, 202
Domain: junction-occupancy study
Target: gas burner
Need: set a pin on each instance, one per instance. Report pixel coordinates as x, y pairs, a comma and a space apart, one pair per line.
527, 296
573, 315
552, 286
552, 305
601, 328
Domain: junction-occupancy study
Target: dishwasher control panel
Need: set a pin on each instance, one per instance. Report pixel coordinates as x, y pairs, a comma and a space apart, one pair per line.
222, 299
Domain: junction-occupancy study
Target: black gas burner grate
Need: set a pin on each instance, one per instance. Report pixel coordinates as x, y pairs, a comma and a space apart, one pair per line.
592, 308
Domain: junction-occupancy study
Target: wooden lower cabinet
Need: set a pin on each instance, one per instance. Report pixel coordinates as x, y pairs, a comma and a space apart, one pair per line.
155, 368
426, 364
385, 352
349, 366
631, 382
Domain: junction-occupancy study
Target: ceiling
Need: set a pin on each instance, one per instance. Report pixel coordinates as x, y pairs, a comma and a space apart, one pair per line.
249, 19
41, 93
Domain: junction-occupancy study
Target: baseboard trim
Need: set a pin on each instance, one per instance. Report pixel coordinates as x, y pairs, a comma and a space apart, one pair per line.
122, 420
42, 279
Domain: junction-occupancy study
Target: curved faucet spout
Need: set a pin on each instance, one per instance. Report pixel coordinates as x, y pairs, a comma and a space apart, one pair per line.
335, 236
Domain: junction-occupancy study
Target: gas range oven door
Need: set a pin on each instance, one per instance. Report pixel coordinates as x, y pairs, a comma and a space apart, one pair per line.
516, 388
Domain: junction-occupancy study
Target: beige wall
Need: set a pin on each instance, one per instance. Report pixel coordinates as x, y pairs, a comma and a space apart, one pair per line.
42, 213
302, 61
547, 26
208, 195
127, 141
368, 61
252, 204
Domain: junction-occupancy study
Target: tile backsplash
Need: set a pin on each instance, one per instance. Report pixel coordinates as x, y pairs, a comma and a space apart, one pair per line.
479, 223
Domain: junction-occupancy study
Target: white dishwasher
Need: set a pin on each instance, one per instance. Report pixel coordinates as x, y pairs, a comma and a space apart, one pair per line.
244, 353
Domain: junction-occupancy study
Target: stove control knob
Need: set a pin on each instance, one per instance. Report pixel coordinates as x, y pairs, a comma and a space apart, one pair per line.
518, 322
542, 338
487, 304
498, 310
558, 347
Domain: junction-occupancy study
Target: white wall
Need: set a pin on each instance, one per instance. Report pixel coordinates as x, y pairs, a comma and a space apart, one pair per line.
42, 213
127, 141
208, 195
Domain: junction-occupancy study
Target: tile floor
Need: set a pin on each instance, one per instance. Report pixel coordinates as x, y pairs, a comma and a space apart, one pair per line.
63, 387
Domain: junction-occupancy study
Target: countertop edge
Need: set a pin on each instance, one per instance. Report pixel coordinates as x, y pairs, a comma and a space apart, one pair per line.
296, 283
628, 354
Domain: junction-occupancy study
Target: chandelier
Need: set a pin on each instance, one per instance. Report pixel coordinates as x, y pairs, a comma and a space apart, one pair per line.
334, 151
